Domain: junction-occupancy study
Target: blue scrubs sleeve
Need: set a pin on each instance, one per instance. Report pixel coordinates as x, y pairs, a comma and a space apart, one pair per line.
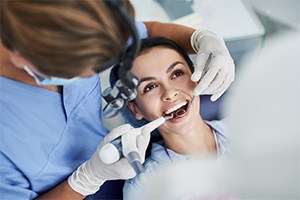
13, 184
141, 28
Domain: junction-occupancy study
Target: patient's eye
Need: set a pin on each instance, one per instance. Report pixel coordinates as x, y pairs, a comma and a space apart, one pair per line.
149, 87
177, 73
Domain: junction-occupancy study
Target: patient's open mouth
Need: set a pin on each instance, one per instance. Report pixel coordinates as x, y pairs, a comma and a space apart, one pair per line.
177, 111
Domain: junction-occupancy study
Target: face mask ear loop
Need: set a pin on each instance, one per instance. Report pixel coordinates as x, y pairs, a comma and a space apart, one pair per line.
38, 79
26, 68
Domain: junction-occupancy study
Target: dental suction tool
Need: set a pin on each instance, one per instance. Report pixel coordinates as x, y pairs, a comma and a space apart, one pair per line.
114, 150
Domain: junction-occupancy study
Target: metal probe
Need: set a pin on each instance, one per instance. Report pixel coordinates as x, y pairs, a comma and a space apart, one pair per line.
206, 67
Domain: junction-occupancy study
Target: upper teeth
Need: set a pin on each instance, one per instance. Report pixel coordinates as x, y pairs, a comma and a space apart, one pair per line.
176, 107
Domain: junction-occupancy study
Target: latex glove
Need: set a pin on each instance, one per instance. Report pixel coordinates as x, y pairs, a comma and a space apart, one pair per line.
90, 175
221, 69
137, 139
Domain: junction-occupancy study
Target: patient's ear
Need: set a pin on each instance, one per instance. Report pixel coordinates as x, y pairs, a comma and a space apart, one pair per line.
135, 110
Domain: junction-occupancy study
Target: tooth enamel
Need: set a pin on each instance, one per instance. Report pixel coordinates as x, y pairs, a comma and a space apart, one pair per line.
176, 107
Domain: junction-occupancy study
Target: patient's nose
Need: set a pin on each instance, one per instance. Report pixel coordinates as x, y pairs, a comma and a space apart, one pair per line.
169, 94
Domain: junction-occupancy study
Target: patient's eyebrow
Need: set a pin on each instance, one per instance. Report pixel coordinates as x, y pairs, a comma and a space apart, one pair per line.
172, 66
147, 79
167, 71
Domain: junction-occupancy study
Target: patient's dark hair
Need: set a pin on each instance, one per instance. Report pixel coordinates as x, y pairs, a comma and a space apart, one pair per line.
146, 45
151, 42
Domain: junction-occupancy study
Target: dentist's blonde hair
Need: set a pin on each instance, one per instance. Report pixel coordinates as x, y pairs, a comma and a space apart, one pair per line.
63, 38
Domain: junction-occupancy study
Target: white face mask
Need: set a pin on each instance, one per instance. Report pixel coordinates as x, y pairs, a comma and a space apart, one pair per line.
50, 80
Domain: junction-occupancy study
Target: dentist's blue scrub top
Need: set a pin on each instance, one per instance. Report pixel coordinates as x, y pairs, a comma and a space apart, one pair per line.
45, 135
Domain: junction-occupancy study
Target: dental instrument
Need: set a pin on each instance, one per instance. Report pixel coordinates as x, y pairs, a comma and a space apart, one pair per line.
113, 151
180, 113
210, 57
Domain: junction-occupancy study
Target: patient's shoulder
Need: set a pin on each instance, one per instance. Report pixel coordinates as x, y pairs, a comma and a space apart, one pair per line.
220, 128
222, 136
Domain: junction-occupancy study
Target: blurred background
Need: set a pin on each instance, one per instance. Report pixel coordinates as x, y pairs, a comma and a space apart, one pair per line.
245, 25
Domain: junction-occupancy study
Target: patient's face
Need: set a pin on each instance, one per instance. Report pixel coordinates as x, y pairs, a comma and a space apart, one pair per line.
165, 88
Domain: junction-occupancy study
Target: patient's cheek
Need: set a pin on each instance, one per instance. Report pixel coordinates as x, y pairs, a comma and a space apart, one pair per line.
191, 85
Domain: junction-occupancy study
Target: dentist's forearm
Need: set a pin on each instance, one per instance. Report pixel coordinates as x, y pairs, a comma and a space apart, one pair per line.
178, 33
62, 191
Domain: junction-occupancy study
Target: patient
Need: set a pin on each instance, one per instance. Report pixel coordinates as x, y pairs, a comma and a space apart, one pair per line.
164, 71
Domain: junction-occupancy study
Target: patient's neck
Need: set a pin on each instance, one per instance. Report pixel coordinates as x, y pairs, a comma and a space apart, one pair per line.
198, 141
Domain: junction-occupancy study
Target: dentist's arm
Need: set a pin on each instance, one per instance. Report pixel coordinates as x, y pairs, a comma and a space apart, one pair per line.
203, 42
180, 34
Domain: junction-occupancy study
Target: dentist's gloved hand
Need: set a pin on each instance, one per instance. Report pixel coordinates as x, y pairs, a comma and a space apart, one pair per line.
221, 69
90, 175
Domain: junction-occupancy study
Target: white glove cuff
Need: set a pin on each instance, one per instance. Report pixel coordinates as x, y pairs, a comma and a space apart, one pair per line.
80, 182
194, 40
197, 35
